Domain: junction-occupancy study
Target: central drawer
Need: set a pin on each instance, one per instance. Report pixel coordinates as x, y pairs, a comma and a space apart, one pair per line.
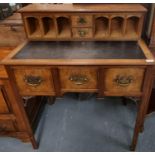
78, 79
34, 80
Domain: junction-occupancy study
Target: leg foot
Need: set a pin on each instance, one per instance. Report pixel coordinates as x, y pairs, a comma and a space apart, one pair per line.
142, 128
34, 143
132, 147
51, 100
124, 101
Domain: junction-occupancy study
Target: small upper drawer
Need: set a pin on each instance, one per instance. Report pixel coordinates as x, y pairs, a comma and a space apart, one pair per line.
82, 32
78, 78
123, 81
82, 21
34, 81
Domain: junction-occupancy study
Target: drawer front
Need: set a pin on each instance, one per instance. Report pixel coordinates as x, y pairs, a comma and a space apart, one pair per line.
78, 78
82, 21
34, 81
123, 81
6, 125
82, 32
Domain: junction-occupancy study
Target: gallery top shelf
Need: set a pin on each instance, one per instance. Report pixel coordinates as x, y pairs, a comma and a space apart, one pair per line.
83, 8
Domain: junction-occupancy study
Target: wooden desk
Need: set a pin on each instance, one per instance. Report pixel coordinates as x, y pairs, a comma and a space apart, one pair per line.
80, 55
35, 69
151, 107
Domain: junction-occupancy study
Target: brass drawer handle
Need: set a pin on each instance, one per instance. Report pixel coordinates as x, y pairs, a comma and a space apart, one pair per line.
81, 20
33, 80
82, 33
123, 81
78, 79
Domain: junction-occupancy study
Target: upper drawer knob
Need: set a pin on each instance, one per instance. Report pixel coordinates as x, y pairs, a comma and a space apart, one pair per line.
82, 33
81, 20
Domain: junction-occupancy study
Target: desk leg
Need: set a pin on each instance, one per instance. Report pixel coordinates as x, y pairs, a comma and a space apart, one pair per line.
142, 110
34, 143
137, 127
124, 101
51, 100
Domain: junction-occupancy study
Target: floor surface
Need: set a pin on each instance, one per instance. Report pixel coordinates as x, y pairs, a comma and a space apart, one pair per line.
90, 125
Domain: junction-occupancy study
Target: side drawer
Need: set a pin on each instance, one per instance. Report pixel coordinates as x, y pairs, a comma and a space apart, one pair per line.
82, 33
6, 125
77, 79
123, 81
34, 80
82, 21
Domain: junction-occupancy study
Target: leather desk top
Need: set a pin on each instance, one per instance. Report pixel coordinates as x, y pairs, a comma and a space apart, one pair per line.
80, 50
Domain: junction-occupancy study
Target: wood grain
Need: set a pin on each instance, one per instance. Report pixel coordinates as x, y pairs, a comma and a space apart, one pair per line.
84, 8
120, 25
88, 72
112, 87
44, 88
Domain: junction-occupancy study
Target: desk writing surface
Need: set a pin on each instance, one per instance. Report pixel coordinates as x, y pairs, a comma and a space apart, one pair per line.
80, 50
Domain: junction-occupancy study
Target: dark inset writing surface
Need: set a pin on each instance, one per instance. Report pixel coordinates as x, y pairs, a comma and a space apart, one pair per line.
80, 50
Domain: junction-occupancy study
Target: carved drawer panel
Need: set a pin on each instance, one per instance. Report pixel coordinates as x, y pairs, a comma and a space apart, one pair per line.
6, 125
123, 81
34, 81
82, 21
82, 32
78, 79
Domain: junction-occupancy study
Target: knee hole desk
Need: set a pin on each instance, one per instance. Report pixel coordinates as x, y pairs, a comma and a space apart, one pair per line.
79, 48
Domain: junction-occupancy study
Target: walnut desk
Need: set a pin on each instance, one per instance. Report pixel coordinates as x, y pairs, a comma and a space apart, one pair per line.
82, 48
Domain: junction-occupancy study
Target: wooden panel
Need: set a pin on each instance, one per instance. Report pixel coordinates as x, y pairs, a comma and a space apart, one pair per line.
77, 78
152, 35
11, 36
48, 27
123, 81
82, 32
3, 73
32, 26
63, 27
84, 8
3, 104
82, 21
31, 81
115, 25
6, 126
4, 51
